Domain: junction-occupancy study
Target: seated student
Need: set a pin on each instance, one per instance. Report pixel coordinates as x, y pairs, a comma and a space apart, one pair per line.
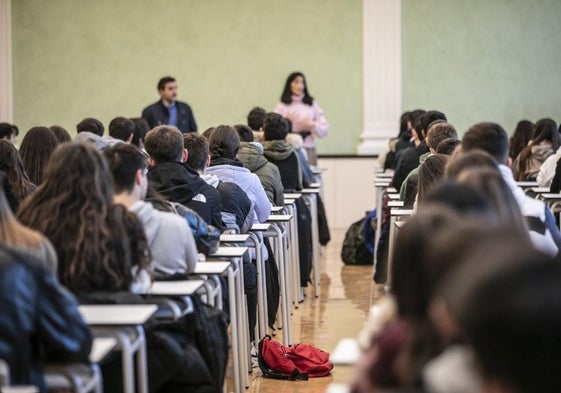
280, 153
544, 143
511, 318
224, 144
520, 138
122, 129
173, 178
493, 139
170, 240
74, 210
237, 208
141, 128
40, 319
431, 173
35, 150
295, 140
9, 132
251, 155
548, 170
10, 163
255, 118
92, 125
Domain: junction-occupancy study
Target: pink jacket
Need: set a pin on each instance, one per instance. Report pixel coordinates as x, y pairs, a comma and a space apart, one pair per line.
299, 114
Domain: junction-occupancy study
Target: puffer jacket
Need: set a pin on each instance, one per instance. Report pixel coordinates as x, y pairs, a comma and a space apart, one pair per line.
179, 183
39, 319
251, 155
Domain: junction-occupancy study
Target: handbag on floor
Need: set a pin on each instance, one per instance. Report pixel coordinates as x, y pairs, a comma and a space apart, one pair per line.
295, 362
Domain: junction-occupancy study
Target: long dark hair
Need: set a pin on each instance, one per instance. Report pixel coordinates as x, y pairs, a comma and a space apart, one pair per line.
97, 242
520, 138
545, 130
36, 149
10, 163
287, 93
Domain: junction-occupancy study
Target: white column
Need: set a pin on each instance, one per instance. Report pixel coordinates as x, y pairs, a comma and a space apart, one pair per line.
6, 85
382, 73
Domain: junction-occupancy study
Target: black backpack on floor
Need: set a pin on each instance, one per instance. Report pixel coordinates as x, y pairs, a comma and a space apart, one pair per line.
355, 251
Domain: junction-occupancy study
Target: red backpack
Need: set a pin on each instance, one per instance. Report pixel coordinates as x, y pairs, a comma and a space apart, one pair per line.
295, 362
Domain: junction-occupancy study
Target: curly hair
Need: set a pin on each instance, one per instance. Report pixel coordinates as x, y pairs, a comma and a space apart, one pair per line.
36, 149
11, 164
97, 243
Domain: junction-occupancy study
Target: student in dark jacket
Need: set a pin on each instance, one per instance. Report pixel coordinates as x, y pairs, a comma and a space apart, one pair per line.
280, 153
174, 179
237, 208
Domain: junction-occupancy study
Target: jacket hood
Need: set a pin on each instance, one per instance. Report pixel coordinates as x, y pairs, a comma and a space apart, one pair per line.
175, 179
277, 150
145, 212
211, 180
294, 140
542, 151
252, 156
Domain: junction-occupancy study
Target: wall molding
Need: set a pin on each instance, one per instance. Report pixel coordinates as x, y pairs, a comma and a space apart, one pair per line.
381, 73
6, 75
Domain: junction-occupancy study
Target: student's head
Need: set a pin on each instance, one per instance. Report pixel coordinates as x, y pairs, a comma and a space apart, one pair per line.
546, 130
197, 151
439, 132
208, 132
448, 146
128, 168
141, 127
36, 148
245, 133
164, 144
491, 184
11, 165
427, 119
512, 318
8, 132
468, 160
167, 88
522, 135
461, 198
92, 125
255, 118
61, 134
431, 172
121, 128
405, 123
274, 127
490, 137
224, 142
296, 85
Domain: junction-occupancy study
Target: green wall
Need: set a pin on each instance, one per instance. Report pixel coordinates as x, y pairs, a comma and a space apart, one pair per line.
475, 60
103, 58
483, 60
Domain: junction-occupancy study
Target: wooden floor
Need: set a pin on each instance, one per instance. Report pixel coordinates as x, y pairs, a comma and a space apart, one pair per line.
346, 294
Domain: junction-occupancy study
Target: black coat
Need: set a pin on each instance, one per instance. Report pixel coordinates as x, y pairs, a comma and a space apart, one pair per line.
179, 183
157, 114
39, 319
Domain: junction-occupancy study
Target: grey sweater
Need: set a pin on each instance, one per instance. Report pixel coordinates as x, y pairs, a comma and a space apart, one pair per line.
170, 240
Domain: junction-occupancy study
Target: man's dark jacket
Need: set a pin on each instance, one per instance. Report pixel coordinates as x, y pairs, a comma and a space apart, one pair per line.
158, 114
179, 183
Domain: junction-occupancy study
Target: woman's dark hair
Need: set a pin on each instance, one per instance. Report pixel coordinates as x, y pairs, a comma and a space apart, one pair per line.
10, 163
287, 93
35, 150
97, 242
522, 135
61, 134
224, 142
546, 130
431, 172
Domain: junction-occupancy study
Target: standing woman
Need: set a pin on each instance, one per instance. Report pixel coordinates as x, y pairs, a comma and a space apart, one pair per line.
302, 110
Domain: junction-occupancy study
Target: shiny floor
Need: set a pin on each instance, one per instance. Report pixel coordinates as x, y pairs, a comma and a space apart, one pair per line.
346, 294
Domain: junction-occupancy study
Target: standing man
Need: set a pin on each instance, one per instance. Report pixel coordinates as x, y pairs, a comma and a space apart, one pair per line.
168, 110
